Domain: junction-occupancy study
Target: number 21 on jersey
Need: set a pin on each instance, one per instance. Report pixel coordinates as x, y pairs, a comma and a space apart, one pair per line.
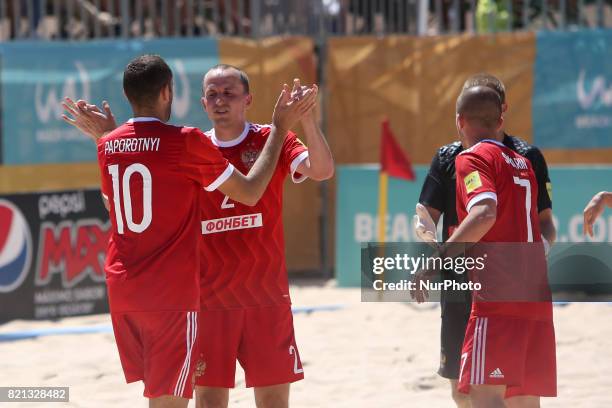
124, 209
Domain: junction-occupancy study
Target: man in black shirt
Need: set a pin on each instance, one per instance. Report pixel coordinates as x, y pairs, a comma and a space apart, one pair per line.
438, 197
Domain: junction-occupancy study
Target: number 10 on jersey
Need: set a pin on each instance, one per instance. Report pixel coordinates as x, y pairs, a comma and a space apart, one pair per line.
125, 210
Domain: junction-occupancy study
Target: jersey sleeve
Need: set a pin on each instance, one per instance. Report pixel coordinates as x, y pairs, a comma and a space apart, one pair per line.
432, 192
294, 152
105, 188
202, 162
540, 169
475, 178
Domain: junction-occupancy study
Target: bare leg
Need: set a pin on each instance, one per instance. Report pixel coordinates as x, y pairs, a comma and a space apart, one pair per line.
487, 396
275, 396
462, 400
168, 401
523, 401
211, 397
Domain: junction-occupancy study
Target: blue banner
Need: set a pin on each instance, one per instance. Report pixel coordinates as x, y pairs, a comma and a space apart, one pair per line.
357, 207
572, 101
357, 215
37, 75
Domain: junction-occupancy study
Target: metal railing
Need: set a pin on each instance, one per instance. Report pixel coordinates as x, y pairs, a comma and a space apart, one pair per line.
86, 19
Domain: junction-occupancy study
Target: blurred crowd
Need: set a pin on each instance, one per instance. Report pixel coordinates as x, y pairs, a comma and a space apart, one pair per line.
83, 19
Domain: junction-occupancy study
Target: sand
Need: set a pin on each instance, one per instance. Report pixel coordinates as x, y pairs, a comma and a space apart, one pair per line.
364, 355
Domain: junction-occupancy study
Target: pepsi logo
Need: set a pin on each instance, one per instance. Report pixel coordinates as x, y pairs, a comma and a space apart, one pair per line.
15, 247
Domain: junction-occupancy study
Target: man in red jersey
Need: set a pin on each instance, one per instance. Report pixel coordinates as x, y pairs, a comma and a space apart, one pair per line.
152, 175
508, 357
438, 196
246, 308
244, 281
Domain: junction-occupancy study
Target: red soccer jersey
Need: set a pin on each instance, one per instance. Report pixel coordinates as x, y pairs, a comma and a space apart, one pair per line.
243, 261
152, 175
514, 271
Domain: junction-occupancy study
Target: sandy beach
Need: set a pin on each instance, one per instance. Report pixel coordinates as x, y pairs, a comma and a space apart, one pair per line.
367, 355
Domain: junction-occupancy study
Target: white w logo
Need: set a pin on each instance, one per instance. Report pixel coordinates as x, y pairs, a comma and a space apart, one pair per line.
598, 89
50, 107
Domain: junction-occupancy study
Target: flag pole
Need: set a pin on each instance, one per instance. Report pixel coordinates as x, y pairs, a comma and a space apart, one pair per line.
383, 181
395, 163
383, 184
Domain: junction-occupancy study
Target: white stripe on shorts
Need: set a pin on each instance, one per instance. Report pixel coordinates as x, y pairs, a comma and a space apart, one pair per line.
191, 332
477, 373
194, 333
477, 352
484, 344
184, 366
473, 360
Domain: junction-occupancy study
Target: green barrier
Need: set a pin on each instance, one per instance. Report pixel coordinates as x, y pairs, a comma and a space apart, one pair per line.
357, 207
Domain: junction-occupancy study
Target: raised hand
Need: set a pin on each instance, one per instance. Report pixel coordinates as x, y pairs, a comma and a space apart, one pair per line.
297, 92
594, 209
88, 118
288, 110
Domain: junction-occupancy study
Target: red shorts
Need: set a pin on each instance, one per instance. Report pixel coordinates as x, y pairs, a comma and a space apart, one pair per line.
515, 352
159, 348
261, 339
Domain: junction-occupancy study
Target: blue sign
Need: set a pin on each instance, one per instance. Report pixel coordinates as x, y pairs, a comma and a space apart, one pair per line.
357, 215
357, 207
572, 101
37, 75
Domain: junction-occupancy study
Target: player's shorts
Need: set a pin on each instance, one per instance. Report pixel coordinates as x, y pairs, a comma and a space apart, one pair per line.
261, 339
455, 316
159, 348
515, 352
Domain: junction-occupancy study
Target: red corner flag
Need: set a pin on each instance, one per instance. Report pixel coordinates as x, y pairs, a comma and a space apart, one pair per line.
393, 160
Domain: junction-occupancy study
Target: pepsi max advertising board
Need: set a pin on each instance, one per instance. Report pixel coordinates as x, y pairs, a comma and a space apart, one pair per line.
52, 249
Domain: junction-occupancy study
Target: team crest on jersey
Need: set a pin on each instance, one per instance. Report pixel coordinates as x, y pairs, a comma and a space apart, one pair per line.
249, 155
